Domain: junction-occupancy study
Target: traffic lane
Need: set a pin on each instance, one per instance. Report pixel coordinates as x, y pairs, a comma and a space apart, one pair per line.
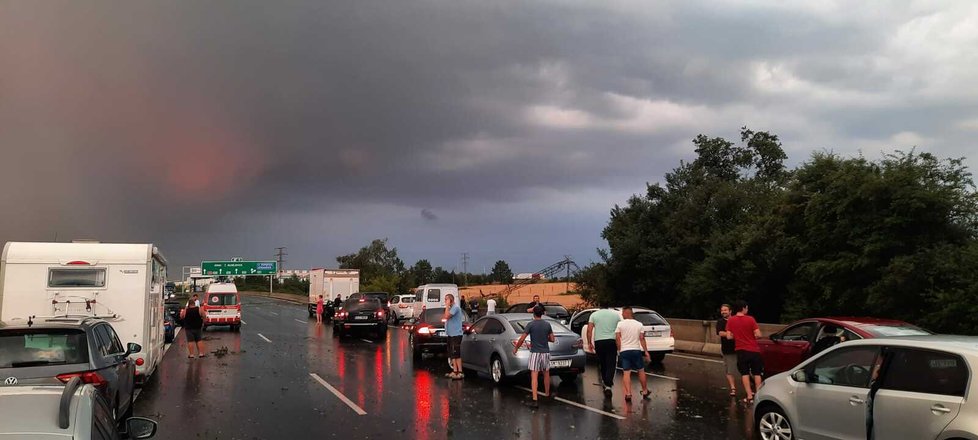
262, 385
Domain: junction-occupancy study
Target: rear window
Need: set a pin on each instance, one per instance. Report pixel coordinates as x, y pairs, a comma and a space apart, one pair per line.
435, 316
356, 306
434, 295
76, 278
895, 330
520, 325
222, 299
648, 318
30, 348
556, 310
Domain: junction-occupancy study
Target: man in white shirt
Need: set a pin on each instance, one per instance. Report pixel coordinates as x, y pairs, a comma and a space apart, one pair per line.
490, 306
632, 352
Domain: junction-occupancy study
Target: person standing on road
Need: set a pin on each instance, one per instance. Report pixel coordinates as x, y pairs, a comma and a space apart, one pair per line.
453, 329
490, 306
744, 331
541, 335
193, 323
337, 302
630, 340
601, 336
533, 304
727, 349
319, 310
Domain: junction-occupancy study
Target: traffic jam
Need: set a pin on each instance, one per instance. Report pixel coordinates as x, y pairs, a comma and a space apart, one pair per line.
95, 343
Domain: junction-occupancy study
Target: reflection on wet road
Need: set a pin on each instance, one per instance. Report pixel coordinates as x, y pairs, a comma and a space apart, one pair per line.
284, 377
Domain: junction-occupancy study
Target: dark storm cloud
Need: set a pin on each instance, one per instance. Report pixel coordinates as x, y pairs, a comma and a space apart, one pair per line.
428, 215
185, 122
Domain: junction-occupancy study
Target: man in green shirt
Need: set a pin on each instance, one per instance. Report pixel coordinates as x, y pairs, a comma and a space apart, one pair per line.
601, 334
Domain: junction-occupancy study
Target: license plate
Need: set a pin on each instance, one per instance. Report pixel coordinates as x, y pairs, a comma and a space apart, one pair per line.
361, 318
560, 364
440, 333
653, 334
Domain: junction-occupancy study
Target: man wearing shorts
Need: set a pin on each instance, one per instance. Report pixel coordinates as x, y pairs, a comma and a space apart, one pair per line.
633, 353
743, 330
727, 349
193, 323
541, 335
453, 329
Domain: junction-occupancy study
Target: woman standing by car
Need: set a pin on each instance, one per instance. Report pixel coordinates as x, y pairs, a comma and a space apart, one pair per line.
319, 310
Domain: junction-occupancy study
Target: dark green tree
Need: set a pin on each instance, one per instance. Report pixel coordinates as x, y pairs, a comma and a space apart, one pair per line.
501, 273
422, 271
374, 261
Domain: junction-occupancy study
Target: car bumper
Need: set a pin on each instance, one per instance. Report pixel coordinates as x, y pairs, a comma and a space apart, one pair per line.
365, 326
519, 364
222, 320
660, 344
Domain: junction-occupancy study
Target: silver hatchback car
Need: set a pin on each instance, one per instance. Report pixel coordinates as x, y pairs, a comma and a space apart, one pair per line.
487, 347
900, 388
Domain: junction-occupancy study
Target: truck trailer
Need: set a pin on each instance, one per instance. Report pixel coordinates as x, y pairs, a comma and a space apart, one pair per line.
331, 283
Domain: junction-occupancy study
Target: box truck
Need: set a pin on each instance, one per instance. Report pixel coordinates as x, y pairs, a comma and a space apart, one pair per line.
331, 283
121, 283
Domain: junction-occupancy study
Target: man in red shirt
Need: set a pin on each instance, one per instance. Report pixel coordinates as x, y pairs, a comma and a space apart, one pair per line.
744, 331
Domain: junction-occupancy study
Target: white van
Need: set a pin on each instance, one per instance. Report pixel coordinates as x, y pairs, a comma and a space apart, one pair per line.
121, 283
432, 296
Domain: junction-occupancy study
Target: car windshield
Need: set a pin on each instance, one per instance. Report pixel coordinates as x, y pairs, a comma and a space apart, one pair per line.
895, 330
222, 299
649, 318
357, 305
521, 324
29, 348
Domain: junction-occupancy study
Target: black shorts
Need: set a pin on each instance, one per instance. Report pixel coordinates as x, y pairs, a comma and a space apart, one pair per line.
454, 347
193, 334
750, 363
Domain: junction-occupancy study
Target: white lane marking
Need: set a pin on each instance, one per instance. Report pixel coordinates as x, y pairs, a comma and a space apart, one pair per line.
263, 337
301, 321
276, 314
655, 375
581, 406
371, 342
694, 358
243, 323
338, 394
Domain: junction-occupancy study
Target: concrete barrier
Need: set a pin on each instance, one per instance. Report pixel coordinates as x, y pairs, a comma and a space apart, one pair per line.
700, 337
298, 299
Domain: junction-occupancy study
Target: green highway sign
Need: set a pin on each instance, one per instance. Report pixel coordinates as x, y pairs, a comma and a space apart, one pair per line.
239, 267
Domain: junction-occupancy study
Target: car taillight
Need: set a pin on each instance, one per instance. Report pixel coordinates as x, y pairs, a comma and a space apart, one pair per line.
140, 362
424, 330
579, 343
86, 377
380, 313
526, 344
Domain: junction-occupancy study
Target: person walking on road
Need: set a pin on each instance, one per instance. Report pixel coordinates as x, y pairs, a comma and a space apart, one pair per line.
634, 354
319, 310
601, 336
193, 324
453, 329
744, 331
727, 349
490, 306
541, 335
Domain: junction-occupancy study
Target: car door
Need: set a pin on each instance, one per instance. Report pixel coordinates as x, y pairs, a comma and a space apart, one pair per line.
832, 405
580, 321
124, 367
491, 335
470, 346
923, 386
786, 349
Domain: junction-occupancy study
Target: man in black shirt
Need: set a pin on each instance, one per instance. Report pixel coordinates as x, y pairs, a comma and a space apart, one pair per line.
337, 302
533, 305
727, 349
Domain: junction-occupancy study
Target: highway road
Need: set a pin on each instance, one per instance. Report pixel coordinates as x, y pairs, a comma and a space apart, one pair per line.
282, 377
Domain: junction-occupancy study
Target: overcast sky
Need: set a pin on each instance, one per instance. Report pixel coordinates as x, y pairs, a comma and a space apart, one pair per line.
507, 130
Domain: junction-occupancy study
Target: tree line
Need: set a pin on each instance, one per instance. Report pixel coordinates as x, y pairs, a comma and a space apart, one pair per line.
893, 237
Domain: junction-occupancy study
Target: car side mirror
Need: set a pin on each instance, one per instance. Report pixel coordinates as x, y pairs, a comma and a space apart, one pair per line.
776, 337
139, 428
800, 376
133, 347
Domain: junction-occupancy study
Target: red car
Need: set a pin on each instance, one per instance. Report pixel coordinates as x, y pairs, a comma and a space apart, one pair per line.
803, 339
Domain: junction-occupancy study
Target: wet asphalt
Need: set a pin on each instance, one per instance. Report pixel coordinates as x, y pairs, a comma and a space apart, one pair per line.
276, 380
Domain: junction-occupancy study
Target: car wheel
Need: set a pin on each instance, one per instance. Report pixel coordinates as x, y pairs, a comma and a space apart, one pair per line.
496, 370
772, 424
657, 357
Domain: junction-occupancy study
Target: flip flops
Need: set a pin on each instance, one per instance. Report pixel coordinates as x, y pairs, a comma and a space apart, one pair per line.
646, 395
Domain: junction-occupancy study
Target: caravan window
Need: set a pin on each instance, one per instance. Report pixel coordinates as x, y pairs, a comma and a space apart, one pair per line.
76, 278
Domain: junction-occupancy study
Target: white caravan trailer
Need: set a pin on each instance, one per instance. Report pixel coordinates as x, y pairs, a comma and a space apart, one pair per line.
331, 283
121, 283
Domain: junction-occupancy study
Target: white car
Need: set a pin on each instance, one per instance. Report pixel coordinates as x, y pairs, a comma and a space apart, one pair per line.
401, 307
920, 386
658, 332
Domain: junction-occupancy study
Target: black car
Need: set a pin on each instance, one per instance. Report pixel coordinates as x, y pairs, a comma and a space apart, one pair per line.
52, 351
173, 310
428, 332
551, 309
383, 297
361, 315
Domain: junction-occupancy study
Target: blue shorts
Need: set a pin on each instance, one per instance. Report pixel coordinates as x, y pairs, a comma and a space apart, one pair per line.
632, 360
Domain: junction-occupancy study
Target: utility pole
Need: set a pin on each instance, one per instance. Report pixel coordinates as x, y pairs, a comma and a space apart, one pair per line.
280, 258
465, 268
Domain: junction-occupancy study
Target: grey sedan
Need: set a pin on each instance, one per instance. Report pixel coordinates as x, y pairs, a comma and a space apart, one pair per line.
53, 351
488, 348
